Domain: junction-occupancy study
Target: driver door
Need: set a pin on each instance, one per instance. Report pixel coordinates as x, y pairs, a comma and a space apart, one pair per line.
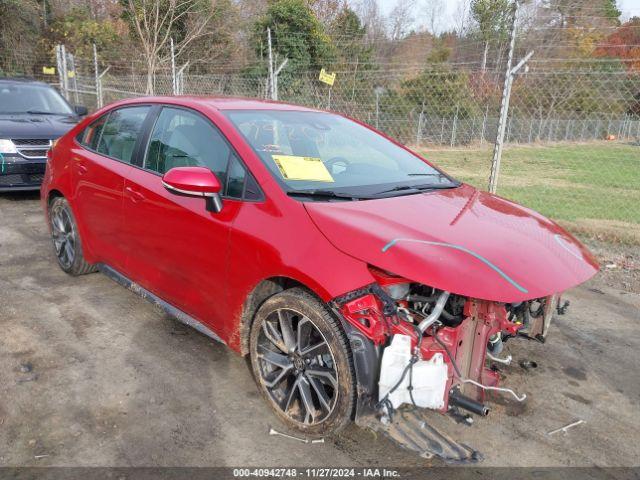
176, 248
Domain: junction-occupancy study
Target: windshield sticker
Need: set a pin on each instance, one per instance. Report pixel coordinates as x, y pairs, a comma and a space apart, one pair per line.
302, 168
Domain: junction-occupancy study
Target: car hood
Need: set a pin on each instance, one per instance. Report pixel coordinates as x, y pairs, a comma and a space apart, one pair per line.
35, 126
461, 240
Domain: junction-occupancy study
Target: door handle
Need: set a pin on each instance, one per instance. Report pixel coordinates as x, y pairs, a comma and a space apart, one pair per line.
135, 195
82, 168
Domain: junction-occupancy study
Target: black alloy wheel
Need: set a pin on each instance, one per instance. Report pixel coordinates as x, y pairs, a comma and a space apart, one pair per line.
66, 238
301, 361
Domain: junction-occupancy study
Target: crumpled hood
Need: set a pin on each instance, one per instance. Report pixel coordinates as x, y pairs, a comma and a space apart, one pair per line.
35, 126
462, 240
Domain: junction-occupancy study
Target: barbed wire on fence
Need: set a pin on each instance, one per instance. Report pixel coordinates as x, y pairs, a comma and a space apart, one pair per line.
443, 107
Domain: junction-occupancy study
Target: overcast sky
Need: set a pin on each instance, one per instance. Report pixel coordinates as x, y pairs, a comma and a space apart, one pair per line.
629, 9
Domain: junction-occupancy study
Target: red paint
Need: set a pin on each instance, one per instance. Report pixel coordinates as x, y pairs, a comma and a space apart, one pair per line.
207, 263
192, 179
176, 248
385, 278
365, 313
531, 250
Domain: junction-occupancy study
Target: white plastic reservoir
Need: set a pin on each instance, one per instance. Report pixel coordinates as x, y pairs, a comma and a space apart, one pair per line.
429, 376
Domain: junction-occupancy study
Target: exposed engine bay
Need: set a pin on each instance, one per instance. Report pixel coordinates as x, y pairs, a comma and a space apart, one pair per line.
438, 350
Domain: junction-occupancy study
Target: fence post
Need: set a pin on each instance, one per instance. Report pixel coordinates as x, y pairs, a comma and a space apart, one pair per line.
60, 69
271, 81
174, 86
180, 79
504, 105
100, 98
96, 77
74, 79
484, 124
275, 79
65, 70
419, 131
626, 124
377, 90
455, 125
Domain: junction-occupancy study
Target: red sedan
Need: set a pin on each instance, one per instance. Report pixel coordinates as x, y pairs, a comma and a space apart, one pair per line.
357, 276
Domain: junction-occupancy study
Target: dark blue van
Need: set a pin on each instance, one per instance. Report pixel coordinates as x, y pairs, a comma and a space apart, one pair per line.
32, 115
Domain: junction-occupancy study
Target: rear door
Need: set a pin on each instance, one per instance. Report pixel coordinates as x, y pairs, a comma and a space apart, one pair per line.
178, 250
100, 166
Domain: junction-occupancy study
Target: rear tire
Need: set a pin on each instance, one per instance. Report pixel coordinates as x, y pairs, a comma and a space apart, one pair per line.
302, 364
67, 245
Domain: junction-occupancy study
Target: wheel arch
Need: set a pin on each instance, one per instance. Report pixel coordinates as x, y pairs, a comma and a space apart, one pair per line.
258, 295
52, 195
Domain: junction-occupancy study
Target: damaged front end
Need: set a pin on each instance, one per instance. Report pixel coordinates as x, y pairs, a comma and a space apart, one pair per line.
425, 348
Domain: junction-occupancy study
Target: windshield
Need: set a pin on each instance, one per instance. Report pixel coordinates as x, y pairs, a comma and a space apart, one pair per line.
329, 154
29, 98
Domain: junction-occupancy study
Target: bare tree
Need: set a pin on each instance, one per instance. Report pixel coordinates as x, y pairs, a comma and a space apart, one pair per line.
436, 15
462, 17
154, 22
401, 18
369, 14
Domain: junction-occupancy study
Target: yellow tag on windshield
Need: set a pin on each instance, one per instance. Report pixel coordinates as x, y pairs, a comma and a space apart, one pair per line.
302, 168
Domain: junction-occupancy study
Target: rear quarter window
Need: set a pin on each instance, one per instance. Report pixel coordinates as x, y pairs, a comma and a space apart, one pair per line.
115, 133
90, 136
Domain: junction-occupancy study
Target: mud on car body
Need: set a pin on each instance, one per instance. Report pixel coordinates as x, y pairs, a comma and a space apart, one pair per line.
359, 278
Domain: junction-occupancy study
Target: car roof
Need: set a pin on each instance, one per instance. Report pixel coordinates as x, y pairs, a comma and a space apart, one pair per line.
220, 103
23, 80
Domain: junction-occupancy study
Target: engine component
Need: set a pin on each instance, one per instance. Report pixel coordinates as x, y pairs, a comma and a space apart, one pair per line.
506, 361
397, 291
435, 313
423, 384
459, 400
461, 379
519, 398
495, 344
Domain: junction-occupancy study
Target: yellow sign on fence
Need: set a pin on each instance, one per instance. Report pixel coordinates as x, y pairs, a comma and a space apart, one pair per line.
49, 70
328, 78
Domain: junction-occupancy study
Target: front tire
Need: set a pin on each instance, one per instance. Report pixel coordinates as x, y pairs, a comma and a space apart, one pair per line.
66, 239
302, 363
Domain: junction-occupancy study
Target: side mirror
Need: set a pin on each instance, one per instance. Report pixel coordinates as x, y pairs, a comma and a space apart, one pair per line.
195, 182
80, 110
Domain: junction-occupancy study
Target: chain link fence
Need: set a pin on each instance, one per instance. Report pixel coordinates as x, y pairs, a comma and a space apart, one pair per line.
572, 137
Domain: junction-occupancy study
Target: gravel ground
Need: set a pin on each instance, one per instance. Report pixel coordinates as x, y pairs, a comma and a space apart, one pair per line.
91, 375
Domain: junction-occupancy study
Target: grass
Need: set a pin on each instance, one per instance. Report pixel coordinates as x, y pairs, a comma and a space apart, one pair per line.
592, 189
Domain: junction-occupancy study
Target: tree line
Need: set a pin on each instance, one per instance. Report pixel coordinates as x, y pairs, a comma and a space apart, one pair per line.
438, 61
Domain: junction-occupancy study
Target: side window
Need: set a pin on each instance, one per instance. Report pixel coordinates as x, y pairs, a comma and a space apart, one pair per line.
90, 136
235, 178
120, 132
184, 139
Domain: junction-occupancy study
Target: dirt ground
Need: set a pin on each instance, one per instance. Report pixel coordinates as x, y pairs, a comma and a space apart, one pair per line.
92, 375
